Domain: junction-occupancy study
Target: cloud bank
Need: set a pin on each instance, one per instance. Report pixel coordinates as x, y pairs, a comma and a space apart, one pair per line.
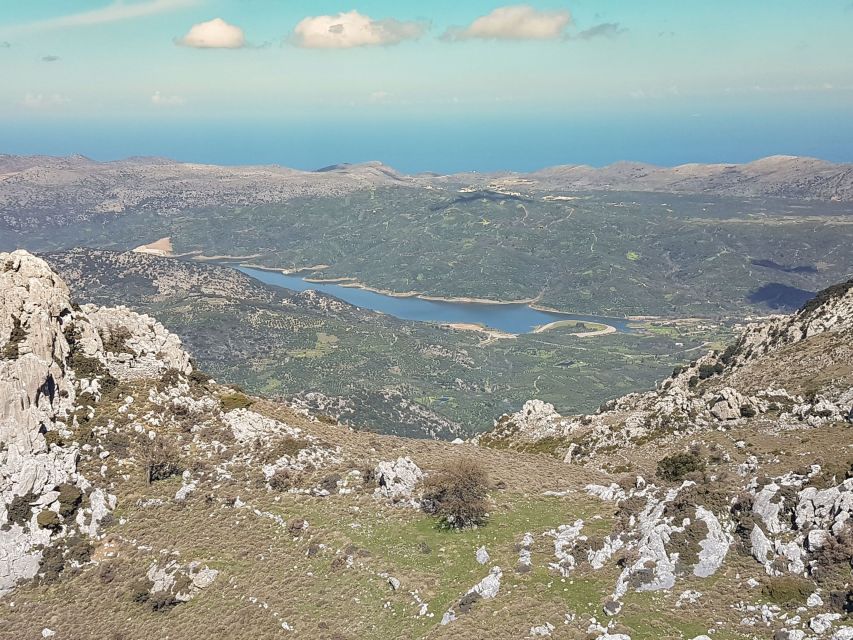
352, 29
517, 22
213, 34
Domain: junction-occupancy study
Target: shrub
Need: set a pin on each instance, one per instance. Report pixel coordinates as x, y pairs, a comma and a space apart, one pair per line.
70, 498
51, 565
16, 337
92, 368
233, 401
706, 371
788, 590
456, 494
19, 510
675, 467
199, 377
161, 460
115, 339
330, 482
48, 519
834, 559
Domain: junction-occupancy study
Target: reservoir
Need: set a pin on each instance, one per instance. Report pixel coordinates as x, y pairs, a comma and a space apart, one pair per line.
511, 318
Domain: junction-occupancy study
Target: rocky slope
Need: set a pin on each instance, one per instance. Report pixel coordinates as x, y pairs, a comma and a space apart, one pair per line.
56, 361
142, 499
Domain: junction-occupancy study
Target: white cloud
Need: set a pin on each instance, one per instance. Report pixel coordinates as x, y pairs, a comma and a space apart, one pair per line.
43, 101
352, 29
114, 12
214, 34
158, 99
517, 22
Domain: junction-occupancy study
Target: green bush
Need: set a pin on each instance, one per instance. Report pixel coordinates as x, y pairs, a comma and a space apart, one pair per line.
70, 499
675, 467
19, 510
787, 590
115, 339
456, 494
18, 335
233, 401
48, 519
161, 460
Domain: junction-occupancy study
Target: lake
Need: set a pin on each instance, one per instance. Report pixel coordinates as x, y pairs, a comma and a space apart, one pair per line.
511, 318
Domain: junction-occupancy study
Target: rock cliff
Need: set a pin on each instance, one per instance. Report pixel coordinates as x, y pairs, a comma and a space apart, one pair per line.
55, 360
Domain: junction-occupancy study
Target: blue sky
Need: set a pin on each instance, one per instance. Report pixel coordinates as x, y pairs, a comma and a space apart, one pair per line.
428, 86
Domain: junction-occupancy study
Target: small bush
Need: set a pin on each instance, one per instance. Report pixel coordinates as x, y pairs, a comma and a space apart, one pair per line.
92, 368
834, 560
169, 378
674, 468
282, 480
70, 499
16, 337
48, 519
788, 590
115, 339
330, 482
19, 510
161, 460
51, 565
233, 401
706, 371
199, 377
456, 494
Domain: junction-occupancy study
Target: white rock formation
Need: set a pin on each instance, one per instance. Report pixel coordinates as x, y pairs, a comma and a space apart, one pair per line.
39, 392
397, 479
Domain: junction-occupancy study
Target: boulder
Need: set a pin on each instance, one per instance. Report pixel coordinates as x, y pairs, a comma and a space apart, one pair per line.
397, 479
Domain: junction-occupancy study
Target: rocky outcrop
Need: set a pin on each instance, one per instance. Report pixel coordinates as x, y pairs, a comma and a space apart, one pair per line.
57, 360
682, 402
173, 581
397, 479
145, 349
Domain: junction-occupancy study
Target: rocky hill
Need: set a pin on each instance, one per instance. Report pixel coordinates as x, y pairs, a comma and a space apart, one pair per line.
142, 499
75, 188
778, 176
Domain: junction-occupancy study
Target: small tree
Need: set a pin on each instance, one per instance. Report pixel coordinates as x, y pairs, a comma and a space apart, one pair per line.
456, 494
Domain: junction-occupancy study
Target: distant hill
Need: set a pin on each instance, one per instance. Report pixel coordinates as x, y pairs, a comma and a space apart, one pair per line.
79, 187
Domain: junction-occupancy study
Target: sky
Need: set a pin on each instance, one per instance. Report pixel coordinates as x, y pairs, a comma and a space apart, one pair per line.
430, 86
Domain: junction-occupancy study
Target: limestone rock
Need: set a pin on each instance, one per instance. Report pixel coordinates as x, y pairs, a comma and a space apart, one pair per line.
154, 349
482, 555
715, 546
397, 479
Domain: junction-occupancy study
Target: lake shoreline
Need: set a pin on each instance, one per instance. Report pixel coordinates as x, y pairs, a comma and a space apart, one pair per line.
354, 283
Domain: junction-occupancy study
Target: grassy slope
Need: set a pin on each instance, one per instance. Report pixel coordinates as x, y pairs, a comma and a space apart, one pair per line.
268, 576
